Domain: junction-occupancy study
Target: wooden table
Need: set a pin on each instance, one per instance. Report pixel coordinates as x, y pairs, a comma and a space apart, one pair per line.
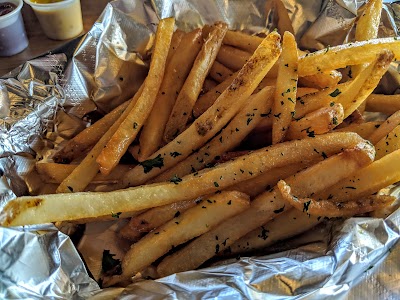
38, 42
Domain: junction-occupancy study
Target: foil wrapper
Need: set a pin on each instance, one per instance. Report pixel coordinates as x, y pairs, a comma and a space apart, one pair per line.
51, 98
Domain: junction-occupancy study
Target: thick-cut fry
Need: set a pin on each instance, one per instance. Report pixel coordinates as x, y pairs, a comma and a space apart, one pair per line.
386, 127
140, 225
130, 127
229, 138
175, 42
284, 105
334, 209
87, 138
290, 223
321, 80
217, 116
281, 17
363, 129
191, 89
345, 55
82, 175
207, 100
56, 173
388, 144
318, 122
219, 72
378, 175
190, 224
75, 206
264, 208
387, 104
233, 58
151, 137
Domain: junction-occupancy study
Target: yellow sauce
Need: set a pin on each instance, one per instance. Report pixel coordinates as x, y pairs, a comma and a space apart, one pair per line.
45, 1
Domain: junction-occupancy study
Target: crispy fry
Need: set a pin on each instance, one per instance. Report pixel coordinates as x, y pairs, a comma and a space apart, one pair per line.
175, 42
151, 137
302, 91
387, 104
345, 55
219, 72
217, 116
264, 208
318, 122
334, 209
363, 129
140, 225
389, 143
87, 138
230, 137
192, 87
321, 80
232, 58
385, 128
130, 127
191, 223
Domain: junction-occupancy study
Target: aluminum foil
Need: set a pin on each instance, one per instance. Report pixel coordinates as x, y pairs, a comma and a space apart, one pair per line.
50, 99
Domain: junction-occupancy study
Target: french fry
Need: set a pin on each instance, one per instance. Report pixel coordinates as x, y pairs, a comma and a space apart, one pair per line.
334, 209
290, 223
56, 173
217, 116
232, 58
191, 223
350, 54
140, 225
380, 174
219, 72
322, 80
281, 19
207, 100
364, 129
387, 104
302, 91
286, 86
82, 175
192, 87
87, 138
231, 136
76, 206
130, 127
388, 143
264, 208
175, 41
318, 122
151, 137
385, 128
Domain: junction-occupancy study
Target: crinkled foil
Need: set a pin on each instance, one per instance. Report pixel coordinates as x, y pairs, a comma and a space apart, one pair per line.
49, 99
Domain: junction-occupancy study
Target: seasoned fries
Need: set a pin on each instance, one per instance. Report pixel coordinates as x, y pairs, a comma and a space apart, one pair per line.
221, 118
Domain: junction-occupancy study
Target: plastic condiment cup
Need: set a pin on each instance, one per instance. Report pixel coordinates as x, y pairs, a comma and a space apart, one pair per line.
13, 37
59, 20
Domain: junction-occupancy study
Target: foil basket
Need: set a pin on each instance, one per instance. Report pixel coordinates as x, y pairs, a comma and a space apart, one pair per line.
49, 99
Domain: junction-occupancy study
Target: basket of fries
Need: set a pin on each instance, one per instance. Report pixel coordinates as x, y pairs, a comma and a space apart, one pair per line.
202, 138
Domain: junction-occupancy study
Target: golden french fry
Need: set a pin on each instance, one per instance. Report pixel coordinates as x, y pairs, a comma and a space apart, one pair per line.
385, 128
188, 225
364, 129
151, 137
175, 42
389, 143
318, 122
337, 57
321, 80
207, 100
284, 105
76, 206
290, 223
82, 175
140, 225
191, 89
334, 209
264, 208
56, 173
130, 127
87, 138
231, 136
387, 104
217, 116
219, 72
371, 179
302, 91
232, 58
281, 16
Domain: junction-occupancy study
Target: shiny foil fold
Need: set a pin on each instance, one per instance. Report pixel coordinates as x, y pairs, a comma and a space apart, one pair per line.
49, 99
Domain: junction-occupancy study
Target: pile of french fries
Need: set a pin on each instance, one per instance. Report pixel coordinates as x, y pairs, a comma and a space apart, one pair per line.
236, 142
